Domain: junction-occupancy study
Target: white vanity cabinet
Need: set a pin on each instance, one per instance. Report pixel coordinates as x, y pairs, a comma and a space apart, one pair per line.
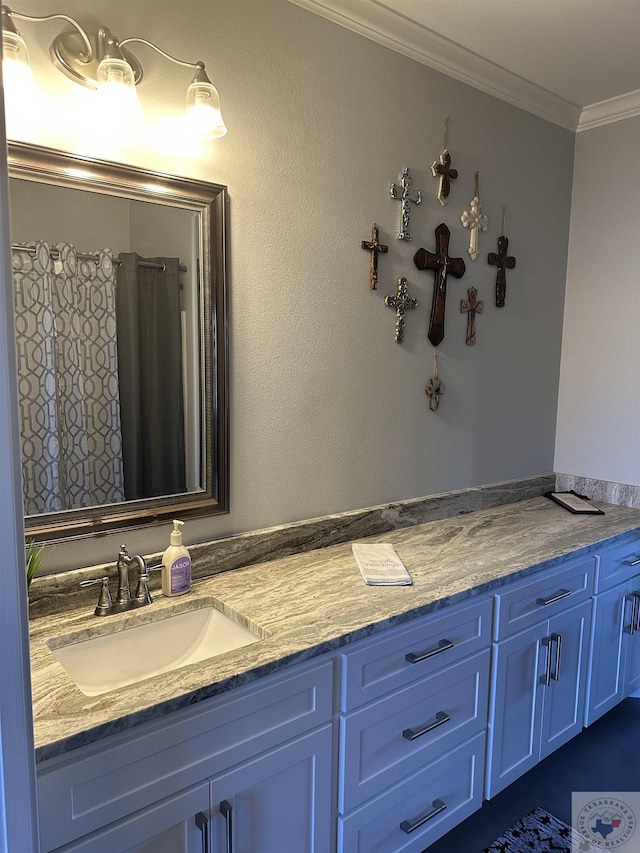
413, 717
265, 750
615, 648
539, 670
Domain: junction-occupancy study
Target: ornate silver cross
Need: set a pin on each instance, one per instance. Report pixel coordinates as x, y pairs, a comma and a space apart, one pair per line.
475, 222
402, 302
403, 193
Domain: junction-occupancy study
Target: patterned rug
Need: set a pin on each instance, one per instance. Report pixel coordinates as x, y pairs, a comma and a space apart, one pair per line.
540, 832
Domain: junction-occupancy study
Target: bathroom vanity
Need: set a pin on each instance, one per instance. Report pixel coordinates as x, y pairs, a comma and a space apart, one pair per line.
365, 719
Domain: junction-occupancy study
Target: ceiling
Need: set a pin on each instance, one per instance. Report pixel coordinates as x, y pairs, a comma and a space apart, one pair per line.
573, 62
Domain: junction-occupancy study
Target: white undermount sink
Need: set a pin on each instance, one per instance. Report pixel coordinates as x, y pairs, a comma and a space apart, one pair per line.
132, 651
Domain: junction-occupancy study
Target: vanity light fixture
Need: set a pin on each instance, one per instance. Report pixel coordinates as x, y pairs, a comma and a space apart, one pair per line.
99, 61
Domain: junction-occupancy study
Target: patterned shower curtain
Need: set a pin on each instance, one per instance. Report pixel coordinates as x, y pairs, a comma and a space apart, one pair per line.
67, 378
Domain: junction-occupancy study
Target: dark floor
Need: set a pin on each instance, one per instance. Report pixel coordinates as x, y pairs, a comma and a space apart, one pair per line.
604, 757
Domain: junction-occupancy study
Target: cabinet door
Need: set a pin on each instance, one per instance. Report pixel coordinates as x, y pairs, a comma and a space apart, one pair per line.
564, 697
277, 803
168, 826
606, 676
516, 706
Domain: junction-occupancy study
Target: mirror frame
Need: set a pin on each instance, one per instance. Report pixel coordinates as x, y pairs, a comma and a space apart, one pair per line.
48, 166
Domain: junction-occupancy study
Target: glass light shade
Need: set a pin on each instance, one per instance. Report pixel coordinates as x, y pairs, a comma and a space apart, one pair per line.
117, 88
203, 110
17, 77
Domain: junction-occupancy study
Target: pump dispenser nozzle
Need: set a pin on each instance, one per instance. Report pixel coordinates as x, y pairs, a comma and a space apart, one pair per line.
176, 533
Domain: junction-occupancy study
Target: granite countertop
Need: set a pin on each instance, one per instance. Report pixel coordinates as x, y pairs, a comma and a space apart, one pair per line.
311, 603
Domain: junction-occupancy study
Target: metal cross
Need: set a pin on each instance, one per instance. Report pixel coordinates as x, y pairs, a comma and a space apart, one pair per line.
403, 193
503, 262
374, 246
402, 302
442, 169
442, 265
475, 222
472, 307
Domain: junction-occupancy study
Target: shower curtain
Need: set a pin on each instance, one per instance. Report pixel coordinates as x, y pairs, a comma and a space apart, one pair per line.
150, 376
67, 378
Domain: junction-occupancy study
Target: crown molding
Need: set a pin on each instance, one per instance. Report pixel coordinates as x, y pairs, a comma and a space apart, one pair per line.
387, 27
613, 109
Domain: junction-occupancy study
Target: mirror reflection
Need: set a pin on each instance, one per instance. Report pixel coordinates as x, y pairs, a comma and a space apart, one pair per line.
114, 326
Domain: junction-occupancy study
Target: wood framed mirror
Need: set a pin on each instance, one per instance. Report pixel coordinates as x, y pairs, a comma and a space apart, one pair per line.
120, 286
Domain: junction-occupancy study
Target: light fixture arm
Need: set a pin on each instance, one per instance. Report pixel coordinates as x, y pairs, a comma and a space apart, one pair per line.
8, 15
162, 53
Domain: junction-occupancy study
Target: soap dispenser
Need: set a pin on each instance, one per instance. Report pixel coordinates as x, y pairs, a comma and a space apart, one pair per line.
176, 564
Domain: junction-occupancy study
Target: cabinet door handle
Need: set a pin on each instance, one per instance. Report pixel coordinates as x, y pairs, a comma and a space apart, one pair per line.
546, 678
408, 826
226, 810
557, 596
635, 562
412, 734
557, 638
634, 624
202, 822
416, 657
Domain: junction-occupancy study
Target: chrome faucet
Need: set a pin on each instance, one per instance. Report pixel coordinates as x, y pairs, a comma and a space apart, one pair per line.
124, 599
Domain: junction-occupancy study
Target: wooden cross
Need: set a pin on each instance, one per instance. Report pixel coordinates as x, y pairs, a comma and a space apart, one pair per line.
442, 169
403, 193
503, 262
475, 222
442, 265
402, 302
374, 246
472, 307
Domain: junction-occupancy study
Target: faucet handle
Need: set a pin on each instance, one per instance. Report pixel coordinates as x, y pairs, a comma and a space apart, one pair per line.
105, 604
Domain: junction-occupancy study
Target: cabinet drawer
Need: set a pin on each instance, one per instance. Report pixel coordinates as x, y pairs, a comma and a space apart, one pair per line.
96, 785
388, 740
524, 603
618, 563
378, 666
410, 817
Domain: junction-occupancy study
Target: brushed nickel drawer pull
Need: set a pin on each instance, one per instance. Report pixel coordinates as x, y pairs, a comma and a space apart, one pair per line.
410, 826
416, 657
412, 734
557, 596
634, 624
226, 810
546, 678
635, 562
202, 822
557, 638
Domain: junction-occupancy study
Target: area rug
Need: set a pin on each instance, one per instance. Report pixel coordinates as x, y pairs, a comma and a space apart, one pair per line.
540, 832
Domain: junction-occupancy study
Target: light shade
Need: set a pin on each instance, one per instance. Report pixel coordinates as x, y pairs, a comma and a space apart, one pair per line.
117, 85
16, 70
203, 107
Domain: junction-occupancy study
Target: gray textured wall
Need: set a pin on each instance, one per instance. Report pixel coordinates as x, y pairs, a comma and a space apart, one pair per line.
328, 411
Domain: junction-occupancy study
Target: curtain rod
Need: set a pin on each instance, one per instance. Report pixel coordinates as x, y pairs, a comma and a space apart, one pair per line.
55, 254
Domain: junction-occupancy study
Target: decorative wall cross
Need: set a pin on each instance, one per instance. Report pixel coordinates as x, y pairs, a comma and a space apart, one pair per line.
442, 265
475, 222
442, 169
374, 246
402, 302
403, 193
472, 307
504, 262
435, 386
